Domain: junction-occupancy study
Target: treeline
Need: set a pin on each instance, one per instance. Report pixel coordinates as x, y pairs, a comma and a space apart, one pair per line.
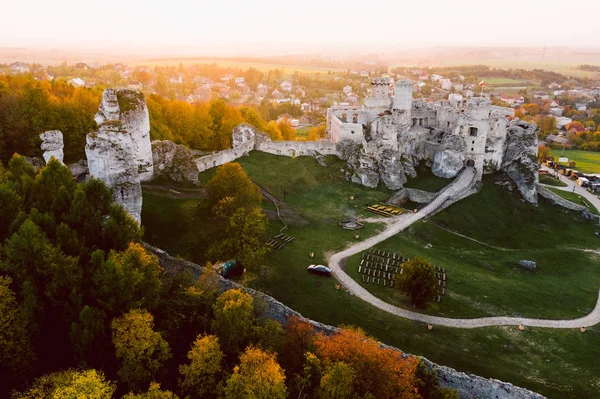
588, 67
29, 107
86, 311
483, 71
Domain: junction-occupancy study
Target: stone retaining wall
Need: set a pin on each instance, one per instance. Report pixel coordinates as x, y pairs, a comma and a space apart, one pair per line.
558, 200
469, 386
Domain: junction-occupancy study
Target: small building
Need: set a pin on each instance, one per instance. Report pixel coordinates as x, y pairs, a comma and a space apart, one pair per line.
77, 82
286, 86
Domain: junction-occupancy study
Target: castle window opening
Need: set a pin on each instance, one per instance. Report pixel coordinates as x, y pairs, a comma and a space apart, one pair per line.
470, 162
448, 125
471, 149
352, 131
473, 142
420, 121
472, 131
355, 118
414, 122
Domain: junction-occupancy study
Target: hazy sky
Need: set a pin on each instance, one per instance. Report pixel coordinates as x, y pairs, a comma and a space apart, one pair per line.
246, 26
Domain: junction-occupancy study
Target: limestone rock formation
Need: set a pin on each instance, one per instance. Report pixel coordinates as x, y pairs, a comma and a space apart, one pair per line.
174, 162
520, 158
128, 107
52, 145
368, 167
391, 169
450, 157
119, 152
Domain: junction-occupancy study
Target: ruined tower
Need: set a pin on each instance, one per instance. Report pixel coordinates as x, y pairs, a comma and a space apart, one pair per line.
402, 104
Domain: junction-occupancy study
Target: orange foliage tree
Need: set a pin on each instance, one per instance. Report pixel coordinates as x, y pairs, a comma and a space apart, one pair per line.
382, 372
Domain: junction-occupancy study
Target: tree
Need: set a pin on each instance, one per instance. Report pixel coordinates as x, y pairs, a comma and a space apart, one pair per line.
269, 336
154, 392
337, 382
127, 280
244, 232
200, 376
576, 126
141, 350
16, 354
70, 384
299, 339
380, 372
543, 152
418, 281
288, 133
233, 319
258, 376
429, 386
232, 181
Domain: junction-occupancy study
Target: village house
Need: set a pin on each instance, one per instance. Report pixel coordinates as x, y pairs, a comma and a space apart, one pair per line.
176, 80
286, 86
239, 80
306, 107
19, 67
277, 95
262, 90
226, 78
283, 118
202, 93
202, 80
446, 84
541, 95
134, 85
347, 89
76, 82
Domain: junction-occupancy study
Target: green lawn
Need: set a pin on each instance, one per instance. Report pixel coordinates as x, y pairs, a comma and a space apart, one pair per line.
576, 198
481, 279
551, 181
585, 161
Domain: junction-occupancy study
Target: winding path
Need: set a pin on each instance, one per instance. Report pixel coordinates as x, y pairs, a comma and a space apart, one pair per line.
459, 188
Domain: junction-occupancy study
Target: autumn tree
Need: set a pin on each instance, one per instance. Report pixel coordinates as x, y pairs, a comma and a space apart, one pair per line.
140, 350
269, 335
258, 376
232, 181
575, 126
233, 320
200, 376
543, 152
337, 382
417, 281
127, 280
70, 384
288, 133
380, 372
299, 339
154, 392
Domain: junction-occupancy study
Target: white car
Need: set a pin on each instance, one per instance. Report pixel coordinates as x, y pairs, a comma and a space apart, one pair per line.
319, 269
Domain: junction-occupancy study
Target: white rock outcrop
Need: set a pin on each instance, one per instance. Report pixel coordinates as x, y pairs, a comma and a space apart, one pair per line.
520, 158
450, 157
119, 152
52, 145
174, 162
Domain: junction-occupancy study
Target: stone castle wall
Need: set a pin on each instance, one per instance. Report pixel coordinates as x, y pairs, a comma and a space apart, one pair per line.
469, 386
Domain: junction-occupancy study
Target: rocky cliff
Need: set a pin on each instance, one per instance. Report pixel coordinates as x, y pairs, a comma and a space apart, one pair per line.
119, 152
52, 145
450, 157
174, 162
520, 158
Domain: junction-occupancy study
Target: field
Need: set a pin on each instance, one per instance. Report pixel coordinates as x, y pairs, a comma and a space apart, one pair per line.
585, 161
483, 277
303, 131
576, 198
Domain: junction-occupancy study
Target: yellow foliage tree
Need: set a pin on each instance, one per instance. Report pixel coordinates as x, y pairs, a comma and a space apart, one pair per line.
141, 350
258, 376
199, 378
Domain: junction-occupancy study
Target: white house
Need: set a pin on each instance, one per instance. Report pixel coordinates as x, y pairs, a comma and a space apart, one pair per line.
77, 82
347, 89
19, 67
286, 86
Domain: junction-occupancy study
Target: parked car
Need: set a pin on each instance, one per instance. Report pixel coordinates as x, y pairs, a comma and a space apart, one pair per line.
319, 269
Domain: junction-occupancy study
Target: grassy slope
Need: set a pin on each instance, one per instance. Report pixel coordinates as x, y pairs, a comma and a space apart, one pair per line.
483, 280
551, 181
585, 161
556, 363
576, 198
